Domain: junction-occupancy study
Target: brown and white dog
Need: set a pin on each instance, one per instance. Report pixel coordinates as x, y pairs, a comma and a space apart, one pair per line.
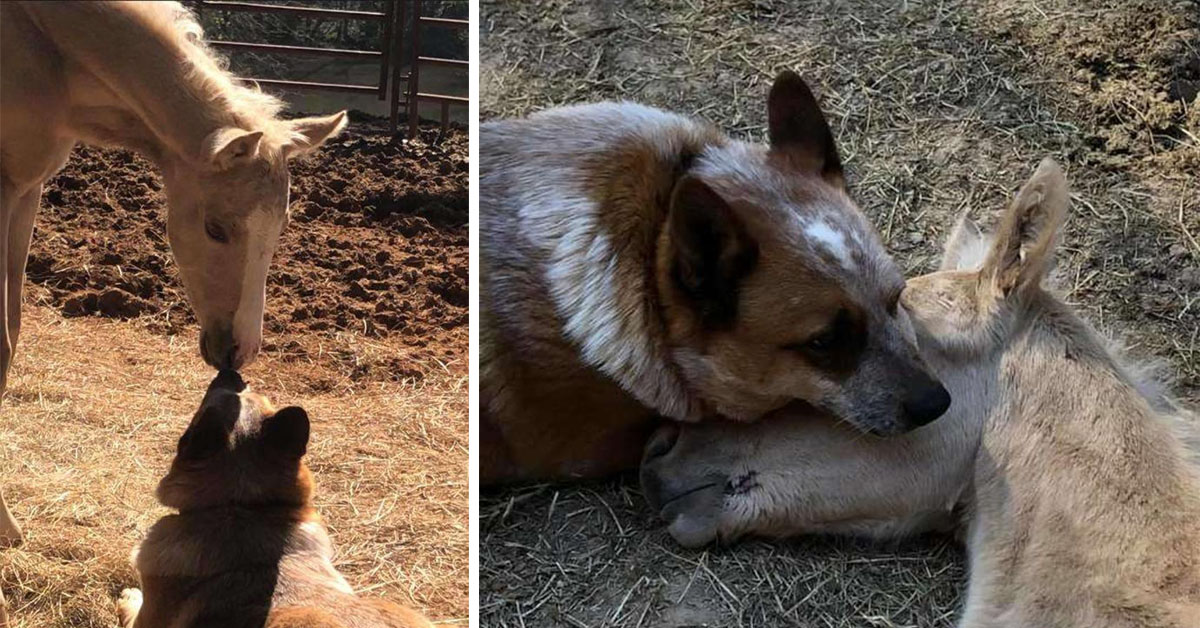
247, 548
637, 264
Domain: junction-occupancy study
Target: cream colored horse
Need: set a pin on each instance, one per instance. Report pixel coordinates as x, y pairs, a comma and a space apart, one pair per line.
135, 75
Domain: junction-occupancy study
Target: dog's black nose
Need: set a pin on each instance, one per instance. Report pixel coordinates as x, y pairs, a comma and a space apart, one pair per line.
928, 405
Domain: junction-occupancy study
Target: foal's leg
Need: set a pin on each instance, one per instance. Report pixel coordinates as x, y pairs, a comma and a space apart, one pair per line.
17, 238
16, 230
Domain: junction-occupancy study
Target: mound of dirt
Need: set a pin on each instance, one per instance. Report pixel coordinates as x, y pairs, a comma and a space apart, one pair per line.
377, 245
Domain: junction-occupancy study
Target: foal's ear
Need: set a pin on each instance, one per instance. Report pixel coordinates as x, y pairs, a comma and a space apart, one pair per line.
965, 248
309, 133
1023, 251
798, 130
286, 431
712, 251
233, 146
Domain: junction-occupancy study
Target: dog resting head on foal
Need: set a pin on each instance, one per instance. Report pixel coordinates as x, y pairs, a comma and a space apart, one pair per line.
246, 548
638, 264
776, 288
1078, 477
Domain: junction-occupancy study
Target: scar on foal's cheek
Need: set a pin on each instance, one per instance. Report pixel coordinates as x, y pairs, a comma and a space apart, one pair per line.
742, 484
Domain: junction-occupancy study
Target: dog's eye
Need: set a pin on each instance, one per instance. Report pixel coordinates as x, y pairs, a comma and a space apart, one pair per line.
215, 231
893, 303
820, 343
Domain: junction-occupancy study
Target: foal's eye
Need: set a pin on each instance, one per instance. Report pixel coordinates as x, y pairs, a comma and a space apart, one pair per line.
215, 231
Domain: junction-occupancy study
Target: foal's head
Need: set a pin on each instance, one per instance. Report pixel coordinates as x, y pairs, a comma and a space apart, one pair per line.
985, 289
227, 212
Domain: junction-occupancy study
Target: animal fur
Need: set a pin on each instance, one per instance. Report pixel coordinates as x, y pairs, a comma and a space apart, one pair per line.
246, 548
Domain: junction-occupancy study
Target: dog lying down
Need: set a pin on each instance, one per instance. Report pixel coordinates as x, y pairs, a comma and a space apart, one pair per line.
247, 549
1078, 478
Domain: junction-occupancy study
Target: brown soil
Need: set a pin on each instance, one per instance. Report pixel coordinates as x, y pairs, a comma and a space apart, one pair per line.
377, 247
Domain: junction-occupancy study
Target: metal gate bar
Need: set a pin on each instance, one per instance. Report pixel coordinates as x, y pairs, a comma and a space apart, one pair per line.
390, 55
415, 95
254, 7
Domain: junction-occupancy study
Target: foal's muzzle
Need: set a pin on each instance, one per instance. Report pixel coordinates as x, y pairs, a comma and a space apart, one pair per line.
218, 348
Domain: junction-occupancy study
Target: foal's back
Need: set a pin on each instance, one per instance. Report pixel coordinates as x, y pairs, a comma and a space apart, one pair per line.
1086, 510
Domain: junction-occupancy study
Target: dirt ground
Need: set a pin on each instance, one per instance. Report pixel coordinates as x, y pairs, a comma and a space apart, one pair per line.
939, 108
366, 327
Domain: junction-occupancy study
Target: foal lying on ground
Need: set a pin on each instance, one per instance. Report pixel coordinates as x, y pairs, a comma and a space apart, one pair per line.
1083, 507
247, 549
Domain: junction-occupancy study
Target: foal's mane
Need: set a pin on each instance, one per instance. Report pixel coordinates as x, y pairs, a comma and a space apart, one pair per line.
208, 76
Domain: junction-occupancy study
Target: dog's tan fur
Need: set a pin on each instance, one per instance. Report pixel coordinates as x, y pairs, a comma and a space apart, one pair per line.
637, 264
246, 547
1081, 492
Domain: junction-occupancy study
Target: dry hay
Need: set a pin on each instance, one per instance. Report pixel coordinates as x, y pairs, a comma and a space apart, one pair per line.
90, 424
938, 107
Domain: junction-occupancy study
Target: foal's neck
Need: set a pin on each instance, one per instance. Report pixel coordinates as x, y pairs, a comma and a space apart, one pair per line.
1069, 391
147, 68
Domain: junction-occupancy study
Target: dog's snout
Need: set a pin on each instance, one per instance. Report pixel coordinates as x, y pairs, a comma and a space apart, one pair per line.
228, 379
661, 442
927, 404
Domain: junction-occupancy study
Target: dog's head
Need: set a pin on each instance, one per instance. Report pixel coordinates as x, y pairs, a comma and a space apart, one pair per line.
239, 450
776, 288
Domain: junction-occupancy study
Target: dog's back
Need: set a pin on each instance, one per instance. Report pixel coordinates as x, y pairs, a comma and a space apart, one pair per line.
246, 547
542, 187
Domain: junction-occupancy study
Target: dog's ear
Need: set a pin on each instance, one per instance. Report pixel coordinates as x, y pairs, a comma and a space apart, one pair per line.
798, 130
712, 251
286, 432
206, 436
1022, 253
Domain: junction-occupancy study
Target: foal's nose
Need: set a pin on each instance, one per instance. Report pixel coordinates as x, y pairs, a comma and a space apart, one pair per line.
218, 348
661, 443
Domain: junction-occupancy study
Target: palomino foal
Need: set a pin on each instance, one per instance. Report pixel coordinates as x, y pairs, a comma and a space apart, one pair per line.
136, 75
1078, 478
